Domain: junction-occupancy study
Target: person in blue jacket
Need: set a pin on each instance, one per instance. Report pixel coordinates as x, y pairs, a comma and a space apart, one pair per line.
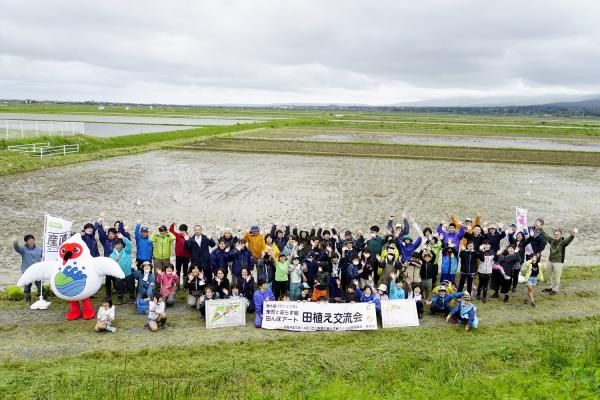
122, 255
261, 296
146, 281
219, 258
366, 296
143, 244
465, 313
30, 254
440, 302
241, 258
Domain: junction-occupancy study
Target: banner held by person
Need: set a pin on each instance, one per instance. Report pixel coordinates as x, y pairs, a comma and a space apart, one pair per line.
521, 219
399, 313
56, 231
226, 312
300, 316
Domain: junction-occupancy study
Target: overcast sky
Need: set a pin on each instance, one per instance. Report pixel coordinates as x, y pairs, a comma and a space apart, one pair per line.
260, 52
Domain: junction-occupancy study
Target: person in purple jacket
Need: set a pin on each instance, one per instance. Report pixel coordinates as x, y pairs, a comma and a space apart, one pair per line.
451, 235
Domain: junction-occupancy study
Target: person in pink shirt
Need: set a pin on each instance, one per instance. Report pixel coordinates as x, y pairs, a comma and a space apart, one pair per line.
168, 281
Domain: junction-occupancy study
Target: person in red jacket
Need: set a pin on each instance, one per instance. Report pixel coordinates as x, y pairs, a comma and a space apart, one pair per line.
182, 255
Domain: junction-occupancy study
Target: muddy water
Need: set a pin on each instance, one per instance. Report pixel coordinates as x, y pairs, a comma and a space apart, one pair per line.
229, 189
504, 143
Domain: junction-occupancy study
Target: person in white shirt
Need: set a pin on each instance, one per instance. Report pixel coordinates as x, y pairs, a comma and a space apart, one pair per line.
156, 313
105, 317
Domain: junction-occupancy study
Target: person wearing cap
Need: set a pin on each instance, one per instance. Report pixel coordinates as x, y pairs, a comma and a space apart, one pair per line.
429, 270
348, 252
468, 226
406, 245
413, 267
255, 242
143, 244
304, 292
163, 243
389, 265
281, 279
382, 291
146, 281
229, 238
495, 236
199, 246
122, 255
398, 230
465, 313
182, 255
440, 302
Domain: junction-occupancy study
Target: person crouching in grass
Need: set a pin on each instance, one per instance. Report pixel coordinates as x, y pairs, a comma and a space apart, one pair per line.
465, 313
156, 313
105, 316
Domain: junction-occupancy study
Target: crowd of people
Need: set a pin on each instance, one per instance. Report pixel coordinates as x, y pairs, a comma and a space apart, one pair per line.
442, 268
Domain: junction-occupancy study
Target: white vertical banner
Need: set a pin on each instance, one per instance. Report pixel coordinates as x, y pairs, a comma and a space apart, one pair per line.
56, 231
521, 219
399, 313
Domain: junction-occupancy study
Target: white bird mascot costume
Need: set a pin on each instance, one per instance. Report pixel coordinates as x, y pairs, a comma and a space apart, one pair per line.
76, 276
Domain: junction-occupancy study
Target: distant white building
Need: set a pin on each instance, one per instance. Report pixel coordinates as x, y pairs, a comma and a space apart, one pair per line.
100, 107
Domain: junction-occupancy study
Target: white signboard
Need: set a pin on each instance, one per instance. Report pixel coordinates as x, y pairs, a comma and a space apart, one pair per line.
300, 316
226, 312
399, 313
56, 231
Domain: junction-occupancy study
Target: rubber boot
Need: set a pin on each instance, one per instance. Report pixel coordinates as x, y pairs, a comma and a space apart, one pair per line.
163, 322
28, 299
75, 311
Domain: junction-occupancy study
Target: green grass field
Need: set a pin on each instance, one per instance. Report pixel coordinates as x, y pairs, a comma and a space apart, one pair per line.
550, 352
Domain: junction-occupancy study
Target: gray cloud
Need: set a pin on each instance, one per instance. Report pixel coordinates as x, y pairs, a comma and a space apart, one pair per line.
297, 51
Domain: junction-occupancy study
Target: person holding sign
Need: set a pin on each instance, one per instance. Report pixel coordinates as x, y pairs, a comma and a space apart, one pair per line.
30, 254
261, 296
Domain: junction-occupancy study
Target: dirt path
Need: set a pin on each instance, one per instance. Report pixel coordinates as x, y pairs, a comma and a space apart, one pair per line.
26, 334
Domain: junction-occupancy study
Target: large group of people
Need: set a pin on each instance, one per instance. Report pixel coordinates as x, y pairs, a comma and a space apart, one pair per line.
444, 267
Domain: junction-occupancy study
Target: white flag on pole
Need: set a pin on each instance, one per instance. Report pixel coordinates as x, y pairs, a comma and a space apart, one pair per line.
56, 231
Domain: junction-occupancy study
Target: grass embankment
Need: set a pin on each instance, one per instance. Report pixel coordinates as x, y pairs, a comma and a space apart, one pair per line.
95, 147
365, 149
519, 352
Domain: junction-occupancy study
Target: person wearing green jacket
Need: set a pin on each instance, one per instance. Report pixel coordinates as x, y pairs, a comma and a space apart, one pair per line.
557, 257
163, 245
122, 255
